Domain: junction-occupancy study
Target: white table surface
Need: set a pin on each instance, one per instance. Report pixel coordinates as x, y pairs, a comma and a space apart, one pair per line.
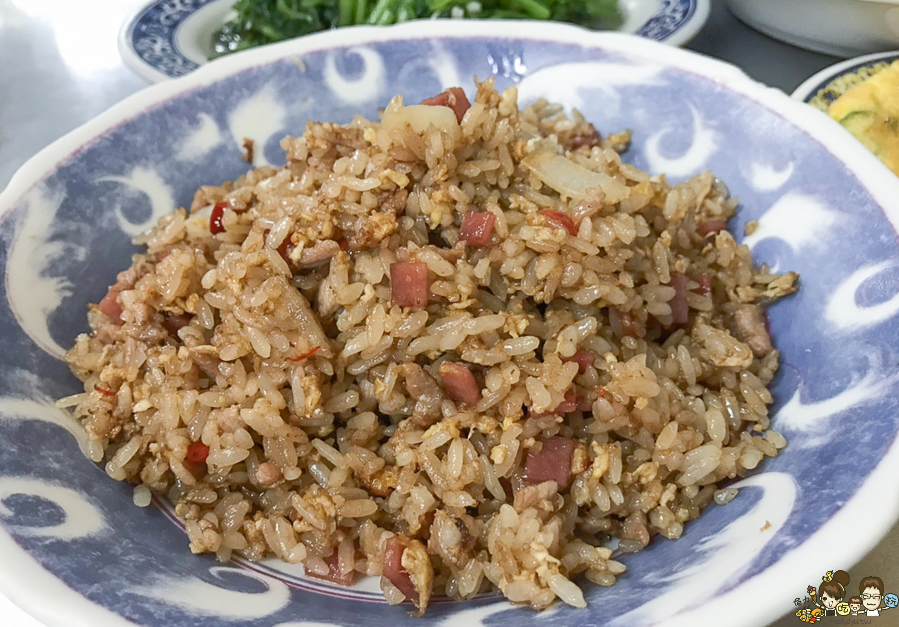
59, 67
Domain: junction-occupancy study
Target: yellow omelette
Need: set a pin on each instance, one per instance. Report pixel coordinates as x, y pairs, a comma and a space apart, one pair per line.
870, 111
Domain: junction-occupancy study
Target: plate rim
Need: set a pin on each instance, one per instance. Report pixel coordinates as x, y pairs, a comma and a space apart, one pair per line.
817, 81
698, 15
772, 584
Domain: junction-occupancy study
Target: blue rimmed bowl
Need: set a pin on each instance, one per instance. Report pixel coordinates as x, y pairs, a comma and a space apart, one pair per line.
75, 552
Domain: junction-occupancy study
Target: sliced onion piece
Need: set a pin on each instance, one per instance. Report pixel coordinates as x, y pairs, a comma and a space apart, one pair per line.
421, 118
570, 179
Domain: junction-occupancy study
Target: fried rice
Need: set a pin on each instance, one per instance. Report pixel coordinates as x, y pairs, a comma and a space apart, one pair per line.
461, 349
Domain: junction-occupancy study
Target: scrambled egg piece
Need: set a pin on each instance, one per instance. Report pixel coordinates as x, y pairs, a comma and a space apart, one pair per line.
870, 111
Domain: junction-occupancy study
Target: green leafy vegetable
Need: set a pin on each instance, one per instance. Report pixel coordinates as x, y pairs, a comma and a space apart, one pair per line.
259, 22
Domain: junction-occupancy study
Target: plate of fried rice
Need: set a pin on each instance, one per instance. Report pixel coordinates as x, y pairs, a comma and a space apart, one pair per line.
518, 322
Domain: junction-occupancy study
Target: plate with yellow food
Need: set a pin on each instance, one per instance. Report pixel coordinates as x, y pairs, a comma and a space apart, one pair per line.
861, 94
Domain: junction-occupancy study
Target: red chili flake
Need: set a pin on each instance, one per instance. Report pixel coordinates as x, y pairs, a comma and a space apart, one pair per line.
559, 219
104, 391
215, 218
343, 244
197, 452
304, 355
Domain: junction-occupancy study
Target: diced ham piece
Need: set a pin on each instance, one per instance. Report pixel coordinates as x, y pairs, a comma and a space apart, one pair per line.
459, 383
705, 284
334, 575
711, 226
568, 405
392, 568
477, 228
110, 306
680, 310
590, 138
197, 452
551, 463
454, 98
173, 323
285, 248
583, 359
560, 220
409, 284
622, 323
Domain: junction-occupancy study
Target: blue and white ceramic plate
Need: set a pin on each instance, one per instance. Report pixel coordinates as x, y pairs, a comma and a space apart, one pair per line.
75, 551
815, 83
169, 38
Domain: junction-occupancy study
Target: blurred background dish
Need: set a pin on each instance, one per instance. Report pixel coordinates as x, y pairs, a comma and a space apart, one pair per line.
825, 86
862, 94
844, 28
164, 39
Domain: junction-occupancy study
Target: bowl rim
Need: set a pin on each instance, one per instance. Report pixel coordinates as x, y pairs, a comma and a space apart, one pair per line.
827, 546
819, 80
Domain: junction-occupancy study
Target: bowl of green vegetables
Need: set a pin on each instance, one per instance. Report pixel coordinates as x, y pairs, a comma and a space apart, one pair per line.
164, 39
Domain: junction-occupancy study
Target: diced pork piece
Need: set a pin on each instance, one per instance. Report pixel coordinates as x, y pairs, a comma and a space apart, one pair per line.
477, 228
409, 284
